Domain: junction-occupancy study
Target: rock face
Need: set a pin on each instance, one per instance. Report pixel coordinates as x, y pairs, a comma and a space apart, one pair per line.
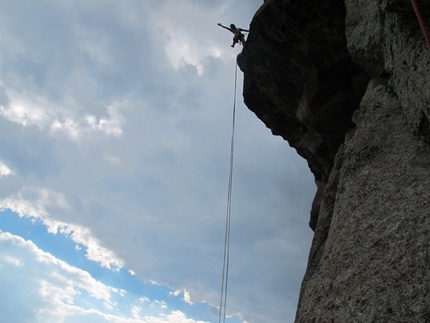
300, 79
347, 84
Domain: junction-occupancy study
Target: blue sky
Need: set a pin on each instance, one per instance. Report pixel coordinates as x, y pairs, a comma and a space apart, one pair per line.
115, 121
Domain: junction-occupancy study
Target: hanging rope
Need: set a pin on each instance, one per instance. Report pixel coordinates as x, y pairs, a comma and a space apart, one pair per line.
422, 24
226, 261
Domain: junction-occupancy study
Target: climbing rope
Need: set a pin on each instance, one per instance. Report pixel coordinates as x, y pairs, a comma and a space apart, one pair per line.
422, 24
226, 261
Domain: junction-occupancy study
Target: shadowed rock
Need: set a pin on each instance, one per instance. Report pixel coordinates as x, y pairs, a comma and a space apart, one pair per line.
347, 84
300, 79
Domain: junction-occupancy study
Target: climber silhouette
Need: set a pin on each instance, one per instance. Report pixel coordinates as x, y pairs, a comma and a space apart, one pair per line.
238, 36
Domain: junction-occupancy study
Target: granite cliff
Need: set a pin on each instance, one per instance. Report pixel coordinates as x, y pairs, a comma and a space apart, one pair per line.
347, 84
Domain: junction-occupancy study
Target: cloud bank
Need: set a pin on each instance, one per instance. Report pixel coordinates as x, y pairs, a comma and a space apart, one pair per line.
115, 121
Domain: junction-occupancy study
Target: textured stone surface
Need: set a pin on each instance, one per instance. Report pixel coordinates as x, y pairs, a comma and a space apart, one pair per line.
387, 40
347, 84
300, 79
370, 258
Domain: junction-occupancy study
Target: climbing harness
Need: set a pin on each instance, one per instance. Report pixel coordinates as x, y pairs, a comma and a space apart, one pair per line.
226, 261
237, 32
422, 24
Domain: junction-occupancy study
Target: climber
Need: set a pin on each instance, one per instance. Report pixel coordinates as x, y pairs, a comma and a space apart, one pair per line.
238, 36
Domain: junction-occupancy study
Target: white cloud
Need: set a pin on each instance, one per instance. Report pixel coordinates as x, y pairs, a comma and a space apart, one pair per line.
187, 297
4, 170
153, 282
34, 203
176, 292
25, 111
110, 125
57, 283
135, 312
32, 109
128, 156
14, 261
181, 51
174, 317
59, 290
190, 38
94, 251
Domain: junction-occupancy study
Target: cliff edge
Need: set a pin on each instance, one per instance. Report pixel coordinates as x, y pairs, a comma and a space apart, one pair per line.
347, 84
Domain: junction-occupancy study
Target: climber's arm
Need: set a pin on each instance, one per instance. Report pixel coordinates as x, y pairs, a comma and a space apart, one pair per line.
219, 24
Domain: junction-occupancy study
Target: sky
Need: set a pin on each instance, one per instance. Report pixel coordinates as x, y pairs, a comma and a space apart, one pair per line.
115, 125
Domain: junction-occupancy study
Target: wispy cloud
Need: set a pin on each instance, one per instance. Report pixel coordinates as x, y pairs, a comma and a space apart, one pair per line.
4, 170
34, 203
115, 125
59, 291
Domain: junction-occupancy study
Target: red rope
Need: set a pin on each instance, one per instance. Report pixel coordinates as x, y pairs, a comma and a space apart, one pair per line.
422, 24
